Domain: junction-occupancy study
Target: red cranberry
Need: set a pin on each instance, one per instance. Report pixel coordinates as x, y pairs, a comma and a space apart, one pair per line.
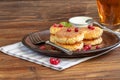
97, 47
91, 27
60, 25
54, 61
68, 30
76, 29
53, 48
87, 47
42, 47
55, 25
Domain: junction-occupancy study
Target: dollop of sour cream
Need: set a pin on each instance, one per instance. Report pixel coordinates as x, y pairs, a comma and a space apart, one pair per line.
79, 21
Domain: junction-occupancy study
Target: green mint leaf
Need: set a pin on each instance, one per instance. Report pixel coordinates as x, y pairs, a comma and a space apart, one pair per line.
69, 25
66, 24
63, 23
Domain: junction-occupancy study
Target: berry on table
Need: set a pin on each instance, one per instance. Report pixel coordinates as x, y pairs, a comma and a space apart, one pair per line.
54, 61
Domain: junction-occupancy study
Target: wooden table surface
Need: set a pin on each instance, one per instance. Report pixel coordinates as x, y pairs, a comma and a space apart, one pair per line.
20, 17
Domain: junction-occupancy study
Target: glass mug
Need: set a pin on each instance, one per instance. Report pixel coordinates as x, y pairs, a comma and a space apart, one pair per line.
109, 13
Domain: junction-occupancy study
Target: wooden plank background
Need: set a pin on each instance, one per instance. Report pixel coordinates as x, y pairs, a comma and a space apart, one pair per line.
45, 10
20, 17
35, 15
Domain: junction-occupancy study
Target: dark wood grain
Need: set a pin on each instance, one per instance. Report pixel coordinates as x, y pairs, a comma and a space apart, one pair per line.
20, 17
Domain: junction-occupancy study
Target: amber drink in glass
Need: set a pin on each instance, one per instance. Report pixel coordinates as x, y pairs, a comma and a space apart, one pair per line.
109, 13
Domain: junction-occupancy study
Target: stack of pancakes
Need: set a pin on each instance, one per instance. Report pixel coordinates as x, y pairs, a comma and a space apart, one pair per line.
67, 38
73, 40
53, 29
92, 37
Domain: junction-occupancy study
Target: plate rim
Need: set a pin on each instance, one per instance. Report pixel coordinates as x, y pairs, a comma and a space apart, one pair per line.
81, 52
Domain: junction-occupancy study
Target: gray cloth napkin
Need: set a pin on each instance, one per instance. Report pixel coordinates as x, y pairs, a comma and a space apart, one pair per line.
21, 51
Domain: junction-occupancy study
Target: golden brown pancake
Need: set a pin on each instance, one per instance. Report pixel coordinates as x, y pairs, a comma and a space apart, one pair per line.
92, 34
72, 47
73, 40
52, 38
53, 29
65, 37
93, 41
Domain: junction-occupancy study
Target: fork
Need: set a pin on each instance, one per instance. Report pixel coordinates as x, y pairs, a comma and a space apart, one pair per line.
91, 21
35, 39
